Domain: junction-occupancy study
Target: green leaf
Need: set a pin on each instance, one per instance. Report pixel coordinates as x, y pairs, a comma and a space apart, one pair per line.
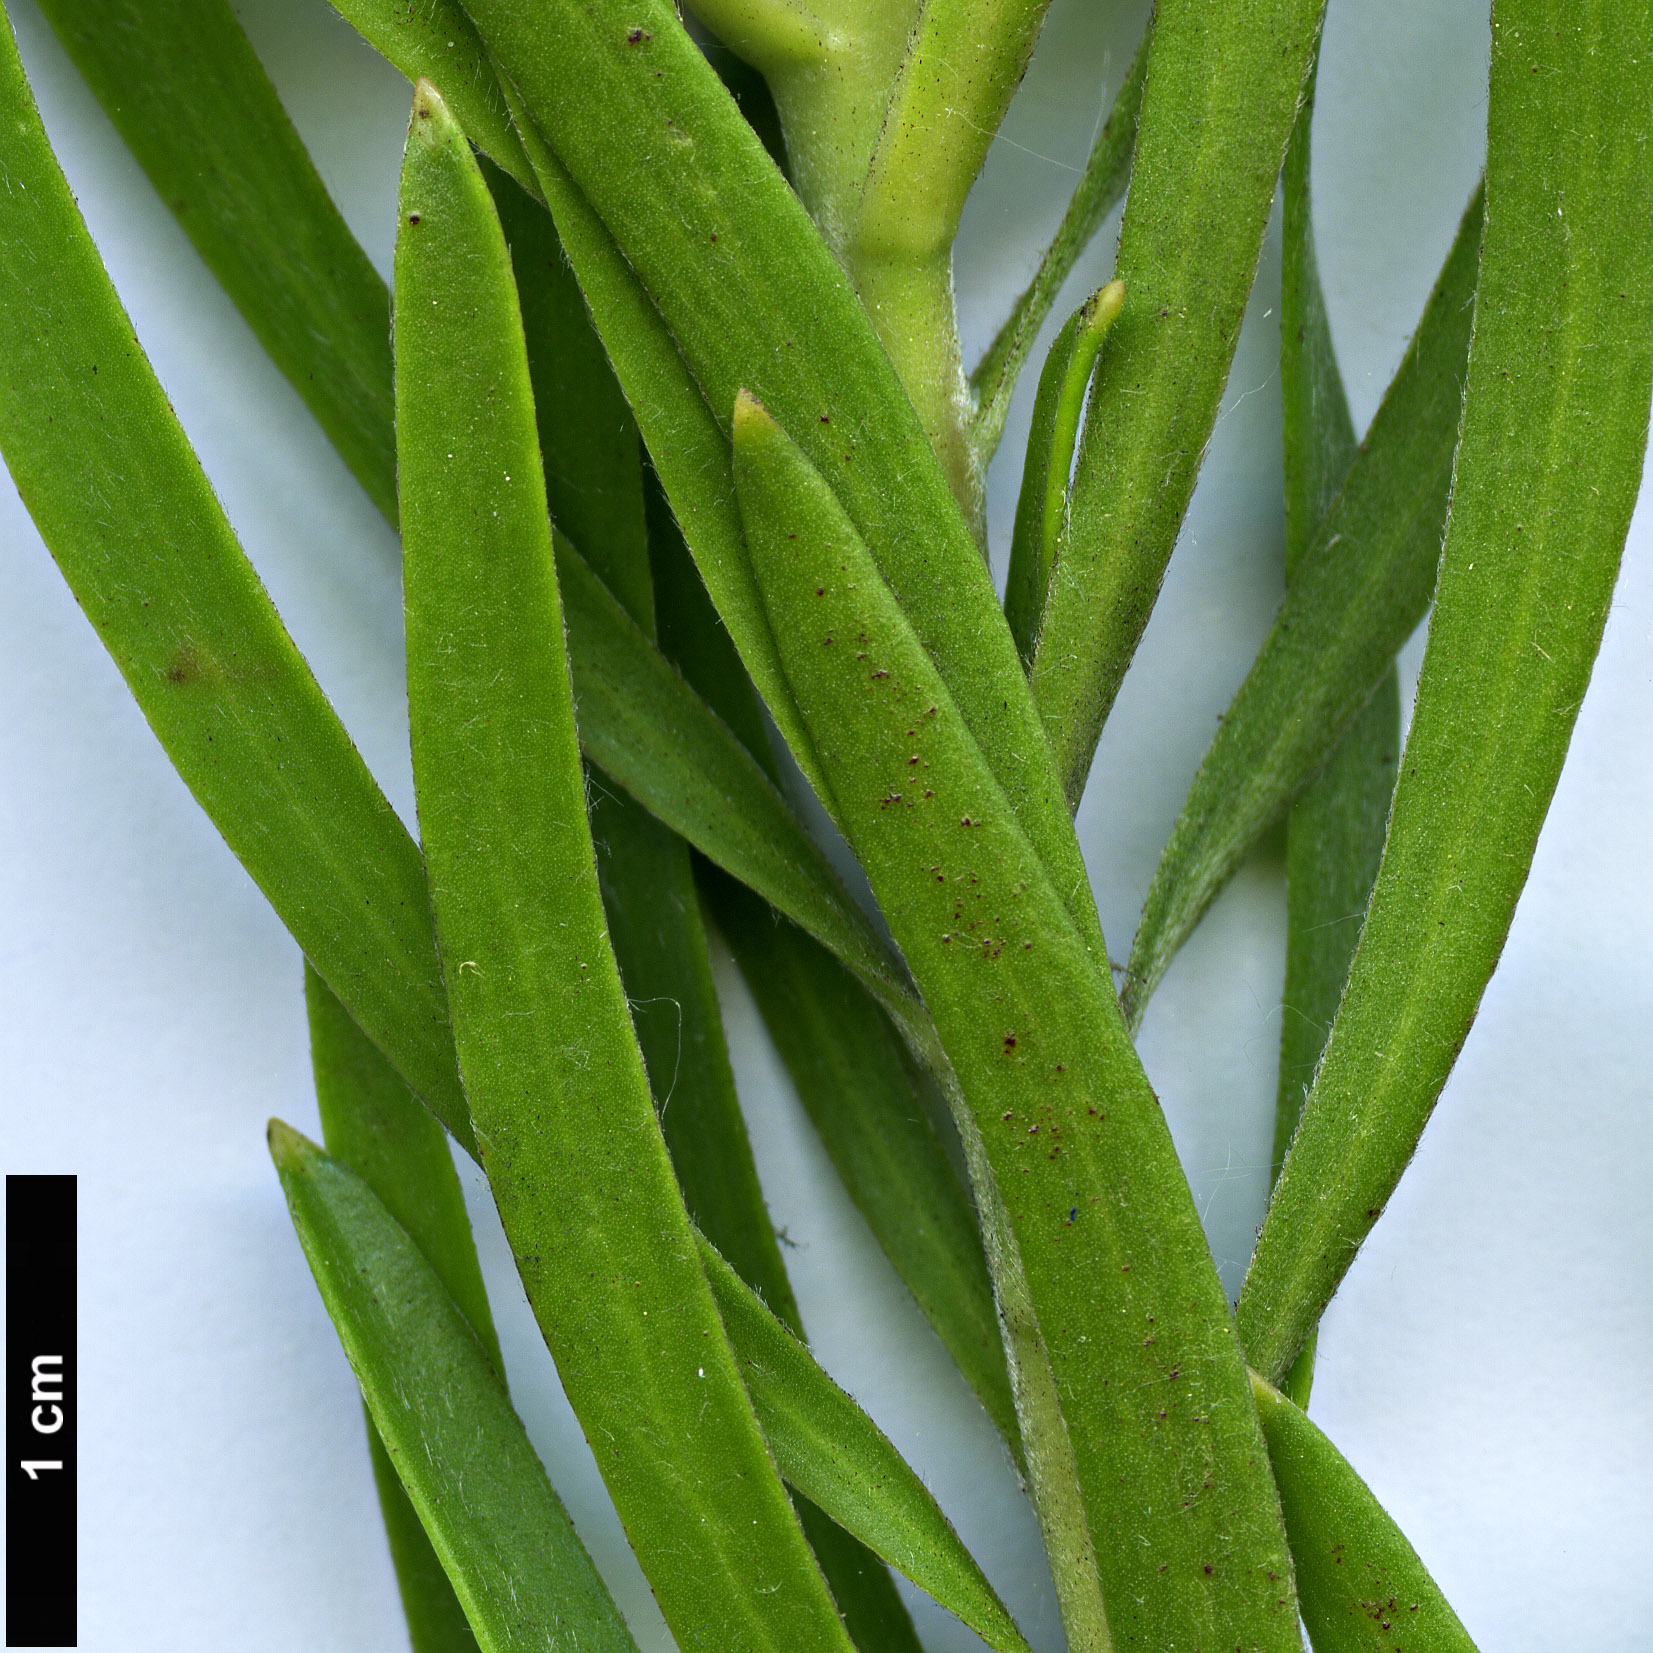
377, 1128
1359, 591
436, 1399
1042, 508
1334, 833
691, 773
1554, 431
1223, 82
434, 40
646, 727
833, 1453
1100, 186
860, 1091
187, 94
594, 481
1127, 1373
121, 502
747, 293
563, 1115
872, 1106
1361, 1586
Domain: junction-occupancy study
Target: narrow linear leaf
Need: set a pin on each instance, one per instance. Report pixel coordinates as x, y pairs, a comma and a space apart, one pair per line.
831, 1451
436, 1399
593, 467
645, 726
857, 1087
123, 506
691, 774
1359, 591
376, 1127
861, 1089
1361, 1586
435, 40
1223, 82
564, 1119
1042, 508
1147, 1400
723, 250
191, 100
1100, 187
1554, 431
1335, 831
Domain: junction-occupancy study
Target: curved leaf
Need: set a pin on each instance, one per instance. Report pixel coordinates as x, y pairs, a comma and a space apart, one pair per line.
191, 100
1554, 432
376, 1127
747, 293
858, 1088
645, 726
1146, 1397
563, 1115
1356, 595
1100, 186
1223, 82
1042, 507
121, 502
1335, 830
834, 1454
436, 1399
1360, 1584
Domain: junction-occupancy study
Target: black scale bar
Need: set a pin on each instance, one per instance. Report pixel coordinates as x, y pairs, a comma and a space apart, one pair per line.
41, 1404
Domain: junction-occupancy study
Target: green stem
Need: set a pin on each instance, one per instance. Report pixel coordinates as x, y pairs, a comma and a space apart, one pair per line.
965, 62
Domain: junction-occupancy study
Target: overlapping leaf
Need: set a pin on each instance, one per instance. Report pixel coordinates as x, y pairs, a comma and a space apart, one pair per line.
1554, 432
560, 1101
1356, 594
1097, 1221
508, 1547
1223, 82
1361, 1585
120, 500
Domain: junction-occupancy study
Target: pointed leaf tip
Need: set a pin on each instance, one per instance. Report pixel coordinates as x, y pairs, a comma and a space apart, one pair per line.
752, 418
1104, 307
288, 1148
432, 121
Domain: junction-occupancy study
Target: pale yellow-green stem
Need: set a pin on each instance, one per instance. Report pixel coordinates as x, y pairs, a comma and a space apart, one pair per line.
888, 107
966, 60
830, 66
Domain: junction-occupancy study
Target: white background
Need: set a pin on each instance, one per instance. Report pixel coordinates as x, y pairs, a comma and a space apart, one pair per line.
1485, 1366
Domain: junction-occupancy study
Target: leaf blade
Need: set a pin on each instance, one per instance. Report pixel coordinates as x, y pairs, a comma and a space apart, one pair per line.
1223, 82
437, 1401
745, 289
133, 525
1361, 1584
828, 1448
1555, 426
563, 1114
1098, 1229
191, 100
376, 1127
1356, 595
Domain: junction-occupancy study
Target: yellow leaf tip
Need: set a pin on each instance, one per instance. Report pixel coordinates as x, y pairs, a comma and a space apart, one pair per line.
1105, 305
432, 121
288, 1148
752, 418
